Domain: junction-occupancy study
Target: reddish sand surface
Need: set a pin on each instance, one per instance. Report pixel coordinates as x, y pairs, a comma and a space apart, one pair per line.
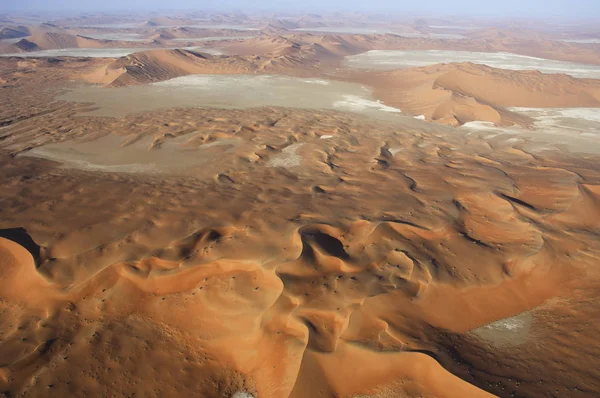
299, 253
455, 94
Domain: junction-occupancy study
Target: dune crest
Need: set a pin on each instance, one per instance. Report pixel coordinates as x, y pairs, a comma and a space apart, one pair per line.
14, 32
55, 40
159, 65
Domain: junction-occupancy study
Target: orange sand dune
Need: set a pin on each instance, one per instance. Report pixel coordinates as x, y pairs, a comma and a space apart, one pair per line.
194, 33
459, 93
260, 46
505, 35
258, 55
157, 65
55, 40
522, 44
328, 45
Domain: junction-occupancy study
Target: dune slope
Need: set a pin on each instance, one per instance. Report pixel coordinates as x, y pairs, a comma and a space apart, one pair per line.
13, 32
459, 93
56, 40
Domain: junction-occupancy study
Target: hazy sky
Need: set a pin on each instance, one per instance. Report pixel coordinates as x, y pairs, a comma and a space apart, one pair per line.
524, 8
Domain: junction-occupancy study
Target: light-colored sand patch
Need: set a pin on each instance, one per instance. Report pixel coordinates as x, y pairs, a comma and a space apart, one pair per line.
288, 157
380, 31
117, 36
99, 52
558, 114
580, 41
108, 154
242, 394
124, 25
347, 30
326, 137
211, 38
508, 331
356, 103
221, 27
80, 52
479, 125
575, 128
443, 36
569, 125
231, 91
454, 27
321, 82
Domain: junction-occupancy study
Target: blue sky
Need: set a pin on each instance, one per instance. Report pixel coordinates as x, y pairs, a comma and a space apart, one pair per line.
524, 8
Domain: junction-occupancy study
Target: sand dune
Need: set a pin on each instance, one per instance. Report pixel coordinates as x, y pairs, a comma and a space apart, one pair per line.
183, 32
320, 47
283, 24
349, 44
55, 40
262, 46
459, 93
59, 39
505, 34
258, 55
159, 65
156, 65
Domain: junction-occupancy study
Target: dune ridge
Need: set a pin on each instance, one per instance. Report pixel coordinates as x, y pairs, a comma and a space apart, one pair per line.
159, 65
455, 94
14, 32
280, 55
55, 40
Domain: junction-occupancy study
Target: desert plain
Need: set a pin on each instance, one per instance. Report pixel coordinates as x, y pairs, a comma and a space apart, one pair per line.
240, 205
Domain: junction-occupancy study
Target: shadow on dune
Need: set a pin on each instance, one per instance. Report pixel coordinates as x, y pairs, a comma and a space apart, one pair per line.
20, 236
329, 244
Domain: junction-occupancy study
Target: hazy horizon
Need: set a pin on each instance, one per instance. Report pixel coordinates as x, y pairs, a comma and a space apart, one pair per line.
561, 9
